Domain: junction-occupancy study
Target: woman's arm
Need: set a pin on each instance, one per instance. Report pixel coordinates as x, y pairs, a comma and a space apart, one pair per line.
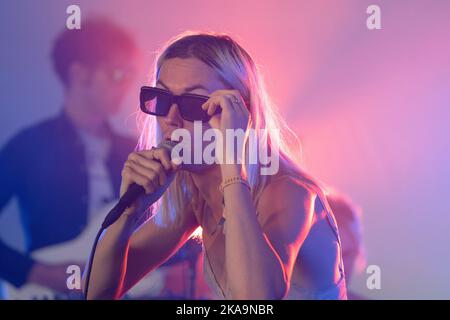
152, 245
122, 257
260, 255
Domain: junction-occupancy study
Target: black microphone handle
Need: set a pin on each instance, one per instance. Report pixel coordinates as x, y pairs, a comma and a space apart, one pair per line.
133, 192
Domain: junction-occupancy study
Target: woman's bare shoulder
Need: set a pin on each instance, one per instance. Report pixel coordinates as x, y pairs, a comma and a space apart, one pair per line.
290, 181
287, 193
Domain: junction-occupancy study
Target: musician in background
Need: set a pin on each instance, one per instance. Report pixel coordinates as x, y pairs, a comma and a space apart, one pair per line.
349, 220
65, 168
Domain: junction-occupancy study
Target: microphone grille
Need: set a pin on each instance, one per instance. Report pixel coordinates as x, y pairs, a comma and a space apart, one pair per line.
168, 144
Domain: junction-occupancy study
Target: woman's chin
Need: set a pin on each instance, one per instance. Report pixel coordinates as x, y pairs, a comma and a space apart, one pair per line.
196, 168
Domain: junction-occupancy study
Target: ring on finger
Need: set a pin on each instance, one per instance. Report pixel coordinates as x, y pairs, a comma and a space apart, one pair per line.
153, 151
235, 101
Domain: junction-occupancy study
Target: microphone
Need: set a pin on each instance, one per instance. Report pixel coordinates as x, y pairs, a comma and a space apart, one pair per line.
134, 191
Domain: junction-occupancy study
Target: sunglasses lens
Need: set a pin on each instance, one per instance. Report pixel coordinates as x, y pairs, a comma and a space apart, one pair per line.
191, 108
155, 102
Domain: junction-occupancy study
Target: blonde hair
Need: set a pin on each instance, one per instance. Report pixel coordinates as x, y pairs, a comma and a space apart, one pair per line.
238, 71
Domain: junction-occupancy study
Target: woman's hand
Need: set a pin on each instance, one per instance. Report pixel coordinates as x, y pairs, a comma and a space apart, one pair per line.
234, 115
151, 169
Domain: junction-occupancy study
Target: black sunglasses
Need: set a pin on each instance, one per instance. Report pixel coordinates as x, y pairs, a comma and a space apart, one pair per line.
157, 102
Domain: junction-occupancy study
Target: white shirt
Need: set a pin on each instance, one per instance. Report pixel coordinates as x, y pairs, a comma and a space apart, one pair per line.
100, 188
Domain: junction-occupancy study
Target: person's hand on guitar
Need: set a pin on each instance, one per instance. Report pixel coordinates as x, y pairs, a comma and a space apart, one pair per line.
52, 276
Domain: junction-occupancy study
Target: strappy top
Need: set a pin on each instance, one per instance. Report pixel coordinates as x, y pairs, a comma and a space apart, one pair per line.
336, 291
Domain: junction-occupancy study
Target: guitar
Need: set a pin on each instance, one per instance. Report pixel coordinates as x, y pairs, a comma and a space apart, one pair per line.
79, 249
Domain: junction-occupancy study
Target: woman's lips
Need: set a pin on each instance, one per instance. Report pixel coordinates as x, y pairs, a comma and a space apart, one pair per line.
168, 138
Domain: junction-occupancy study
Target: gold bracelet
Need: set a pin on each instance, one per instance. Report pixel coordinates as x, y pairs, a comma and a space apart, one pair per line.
233, 180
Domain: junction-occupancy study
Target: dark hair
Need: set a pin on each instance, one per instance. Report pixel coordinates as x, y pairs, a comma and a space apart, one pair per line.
97, 39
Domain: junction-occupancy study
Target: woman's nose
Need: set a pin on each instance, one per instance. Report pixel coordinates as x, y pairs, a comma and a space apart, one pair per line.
174, 116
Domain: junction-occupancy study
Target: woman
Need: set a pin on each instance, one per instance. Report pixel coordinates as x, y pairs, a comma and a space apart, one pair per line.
264, 236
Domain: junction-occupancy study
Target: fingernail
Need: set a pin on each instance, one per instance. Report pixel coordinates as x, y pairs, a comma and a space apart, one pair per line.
176, 161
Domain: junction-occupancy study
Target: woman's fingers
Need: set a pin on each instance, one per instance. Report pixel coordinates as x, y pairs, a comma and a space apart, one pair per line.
147, 167
210, 106
160, 154
236, 100
238, 103
231, 101
215, 102
157, 176
131, 175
